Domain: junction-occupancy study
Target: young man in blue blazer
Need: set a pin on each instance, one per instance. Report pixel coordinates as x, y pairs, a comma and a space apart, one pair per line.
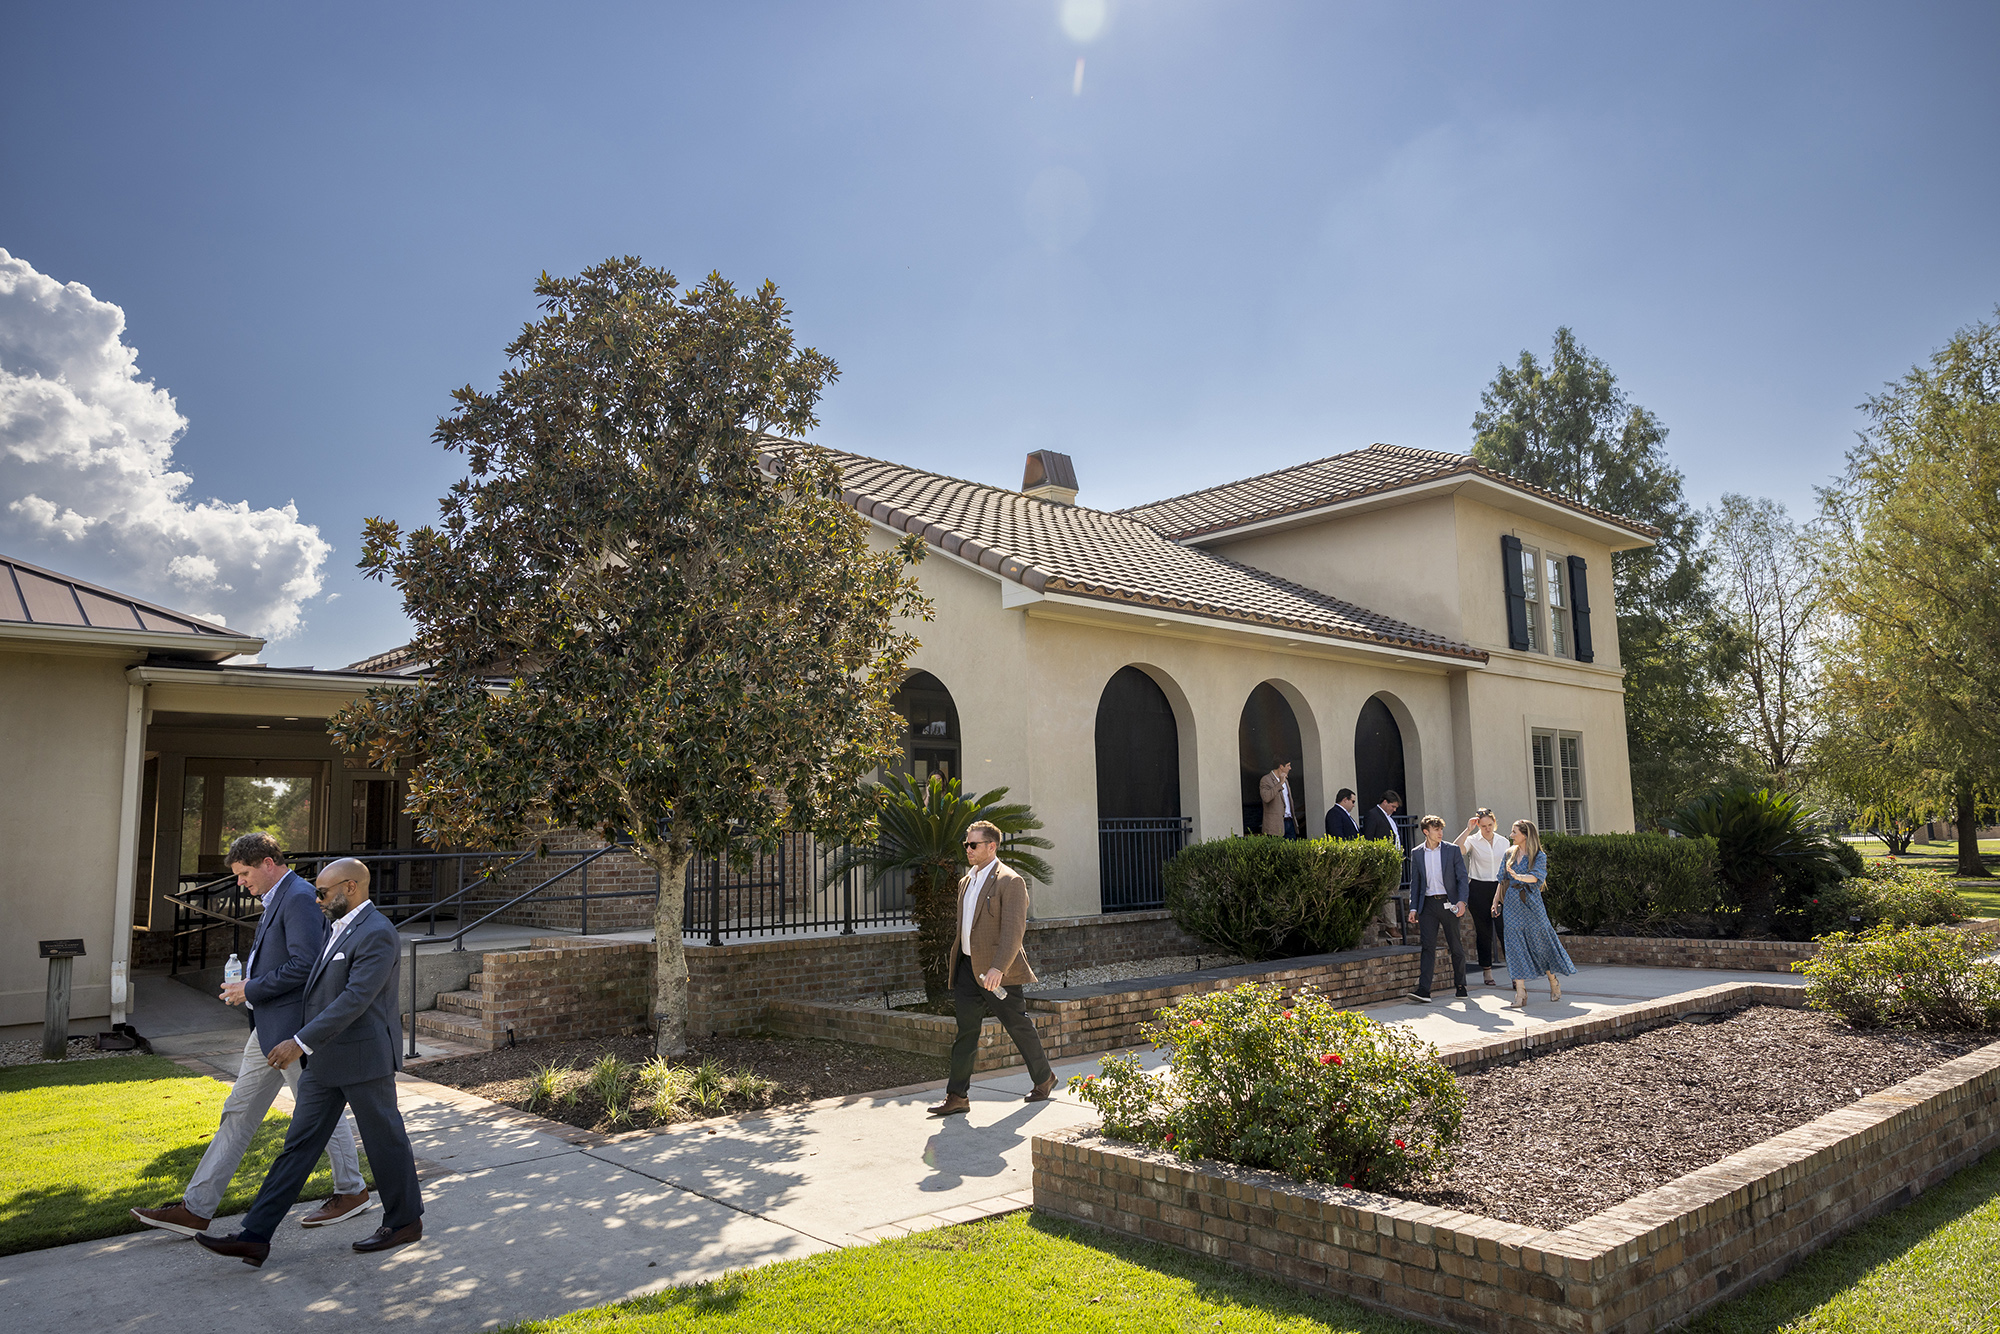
1438, 889
349, 1045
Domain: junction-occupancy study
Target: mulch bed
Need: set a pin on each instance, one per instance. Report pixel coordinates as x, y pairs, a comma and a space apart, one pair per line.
1554, 1139
800, 1070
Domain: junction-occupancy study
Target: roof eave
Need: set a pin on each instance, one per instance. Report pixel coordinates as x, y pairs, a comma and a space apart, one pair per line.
109, 642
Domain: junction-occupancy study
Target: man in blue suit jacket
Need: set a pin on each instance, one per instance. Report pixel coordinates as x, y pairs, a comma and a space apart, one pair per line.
1438, 888
350, 1046
282, 951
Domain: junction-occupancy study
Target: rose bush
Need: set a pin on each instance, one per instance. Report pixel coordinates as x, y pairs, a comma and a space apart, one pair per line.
1294, 1085
1919, 977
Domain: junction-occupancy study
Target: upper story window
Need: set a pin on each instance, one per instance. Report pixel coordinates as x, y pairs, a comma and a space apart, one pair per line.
1545, 588
1548, 601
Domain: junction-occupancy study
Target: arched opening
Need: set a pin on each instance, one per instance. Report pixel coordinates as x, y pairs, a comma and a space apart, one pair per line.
930, 735
1378, 755
1139, 822
1266, 736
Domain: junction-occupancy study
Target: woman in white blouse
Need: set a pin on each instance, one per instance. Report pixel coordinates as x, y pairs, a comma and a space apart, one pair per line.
1483, 848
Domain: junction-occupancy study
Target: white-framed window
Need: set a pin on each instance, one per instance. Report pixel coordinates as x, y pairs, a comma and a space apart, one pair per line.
1545, 587
1557, 760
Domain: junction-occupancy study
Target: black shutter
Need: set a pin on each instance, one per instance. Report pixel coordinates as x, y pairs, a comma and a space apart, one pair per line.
1579, 610
1517, 593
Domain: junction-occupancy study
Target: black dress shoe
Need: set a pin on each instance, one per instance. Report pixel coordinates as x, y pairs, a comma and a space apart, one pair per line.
252, 1253
388, 1238
1420, 997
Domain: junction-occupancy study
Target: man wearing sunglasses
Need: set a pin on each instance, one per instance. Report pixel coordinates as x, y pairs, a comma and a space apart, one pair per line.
988, 968
349, 1044
283, 949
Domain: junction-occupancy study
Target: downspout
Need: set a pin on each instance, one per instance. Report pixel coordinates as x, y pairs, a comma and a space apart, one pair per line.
128, 851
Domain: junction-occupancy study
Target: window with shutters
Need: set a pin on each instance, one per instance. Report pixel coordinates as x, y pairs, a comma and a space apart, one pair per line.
1531, 584
1557, 760
1557, 606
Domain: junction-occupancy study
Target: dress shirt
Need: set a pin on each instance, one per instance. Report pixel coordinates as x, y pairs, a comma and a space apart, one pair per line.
1286, 788
339, 929
979, 879
1433, 859
1483, 854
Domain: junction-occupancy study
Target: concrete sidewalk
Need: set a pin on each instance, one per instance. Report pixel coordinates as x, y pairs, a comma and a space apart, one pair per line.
526, 1219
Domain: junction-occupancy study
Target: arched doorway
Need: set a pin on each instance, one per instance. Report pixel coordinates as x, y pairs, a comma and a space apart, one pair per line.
1139, 823
930, 739
1378, 755
1266, 735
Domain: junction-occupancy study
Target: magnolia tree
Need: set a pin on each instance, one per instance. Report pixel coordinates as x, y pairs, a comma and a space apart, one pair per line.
648, 613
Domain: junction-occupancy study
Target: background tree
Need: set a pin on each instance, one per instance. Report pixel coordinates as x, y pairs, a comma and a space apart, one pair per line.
700, 642
1764, 572
1866, 767
1914, 569
922, 833
1568, 427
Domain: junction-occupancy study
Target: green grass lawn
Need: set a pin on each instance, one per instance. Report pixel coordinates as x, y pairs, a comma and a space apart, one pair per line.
1931, 1268
88, 1140
1017, 1272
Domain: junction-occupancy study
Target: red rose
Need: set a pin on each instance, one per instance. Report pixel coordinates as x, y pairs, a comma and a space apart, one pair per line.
1288, 1014
1170, 1137
1399, 1144
1330, 1058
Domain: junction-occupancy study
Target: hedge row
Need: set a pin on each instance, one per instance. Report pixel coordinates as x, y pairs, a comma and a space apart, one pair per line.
1266, 898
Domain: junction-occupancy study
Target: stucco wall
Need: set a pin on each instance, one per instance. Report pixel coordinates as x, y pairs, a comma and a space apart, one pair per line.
62, 738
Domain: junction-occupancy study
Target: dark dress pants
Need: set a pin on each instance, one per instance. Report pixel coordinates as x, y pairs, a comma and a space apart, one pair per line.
1433, 919
313, 1119
973, 1003
1292, 828
1485, 926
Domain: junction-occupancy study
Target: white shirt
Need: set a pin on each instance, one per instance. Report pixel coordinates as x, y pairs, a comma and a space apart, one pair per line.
979, 879
1286, 788
1483, 854
1433, 869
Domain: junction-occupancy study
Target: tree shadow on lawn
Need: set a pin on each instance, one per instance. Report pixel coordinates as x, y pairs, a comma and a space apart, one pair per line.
1880, 1241
111, 1160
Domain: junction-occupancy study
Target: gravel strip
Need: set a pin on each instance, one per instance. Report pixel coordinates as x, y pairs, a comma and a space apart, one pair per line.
1552, 1140
30, 1052
1109, 972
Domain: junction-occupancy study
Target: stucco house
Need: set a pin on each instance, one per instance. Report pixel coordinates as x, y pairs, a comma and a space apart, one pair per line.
1385, 618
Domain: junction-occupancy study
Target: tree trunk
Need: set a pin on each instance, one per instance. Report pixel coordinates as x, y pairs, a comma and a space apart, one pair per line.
934, 897
1969, 860
670, 980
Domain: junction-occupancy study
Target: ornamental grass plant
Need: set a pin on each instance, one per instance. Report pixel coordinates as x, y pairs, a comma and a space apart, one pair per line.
1292, 1085
1916, 977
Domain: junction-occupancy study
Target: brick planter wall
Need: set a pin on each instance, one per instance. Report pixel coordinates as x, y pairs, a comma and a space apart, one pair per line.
1641, 1265
1749, 956
1078, 1021
564, 988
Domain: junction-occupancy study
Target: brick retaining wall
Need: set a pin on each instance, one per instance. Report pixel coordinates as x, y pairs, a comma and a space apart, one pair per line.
561, 987
1079, 1021
1639, 1266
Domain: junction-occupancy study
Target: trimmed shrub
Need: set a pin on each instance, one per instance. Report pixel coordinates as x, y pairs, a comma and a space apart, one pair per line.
1295, 1086
1848, 856
1628, 881
1919, 977
1267, 898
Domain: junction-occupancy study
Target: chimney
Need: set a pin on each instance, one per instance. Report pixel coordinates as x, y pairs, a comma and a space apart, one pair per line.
1050, 476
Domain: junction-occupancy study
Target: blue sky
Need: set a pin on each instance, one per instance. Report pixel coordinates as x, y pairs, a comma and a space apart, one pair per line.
1261, 233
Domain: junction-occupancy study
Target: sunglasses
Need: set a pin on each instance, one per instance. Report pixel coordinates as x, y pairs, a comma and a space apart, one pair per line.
980, 844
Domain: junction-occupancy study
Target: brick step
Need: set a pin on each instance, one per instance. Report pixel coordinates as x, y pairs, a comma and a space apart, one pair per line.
453, 1027
463, 1002
477, 982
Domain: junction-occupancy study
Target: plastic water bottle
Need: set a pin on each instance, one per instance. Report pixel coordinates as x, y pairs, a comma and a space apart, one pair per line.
232, 972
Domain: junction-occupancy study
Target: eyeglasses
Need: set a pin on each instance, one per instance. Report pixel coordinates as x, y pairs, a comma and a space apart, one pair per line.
980, 844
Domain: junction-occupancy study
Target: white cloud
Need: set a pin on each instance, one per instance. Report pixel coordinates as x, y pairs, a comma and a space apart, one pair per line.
87, 483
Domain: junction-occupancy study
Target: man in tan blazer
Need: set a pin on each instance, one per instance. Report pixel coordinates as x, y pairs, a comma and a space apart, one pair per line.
1280, 820
988, 968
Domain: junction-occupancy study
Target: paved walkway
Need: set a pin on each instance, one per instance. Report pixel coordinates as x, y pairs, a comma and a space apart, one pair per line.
526, 1219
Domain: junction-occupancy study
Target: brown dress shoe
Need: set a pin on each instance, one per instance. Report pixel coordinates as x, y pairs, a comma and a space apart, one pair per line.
252, 1253
954, 1104
388, 1238
338, 1208
175, 1217
1041, 1091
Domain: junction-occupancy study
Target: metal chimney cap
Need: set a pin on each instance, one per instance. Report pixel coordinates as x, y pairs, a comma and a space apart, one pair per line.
1046, 467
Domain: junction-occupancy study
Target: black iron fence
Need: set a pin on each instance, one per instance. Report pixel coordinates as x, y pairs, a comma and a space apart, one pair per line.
785, 892
1130, 857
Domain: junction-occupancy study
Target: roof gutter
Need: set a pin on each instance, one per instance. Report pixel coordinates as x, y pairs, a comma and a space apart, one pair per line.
95, 641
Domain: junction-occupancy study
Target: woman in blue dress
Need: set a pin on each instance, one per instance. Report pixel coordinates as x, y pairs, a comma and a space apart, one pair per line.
1532, 944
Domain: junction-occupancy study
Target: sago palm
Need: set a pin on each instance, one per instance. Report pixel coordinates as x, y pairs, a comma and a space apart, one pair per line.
922, 831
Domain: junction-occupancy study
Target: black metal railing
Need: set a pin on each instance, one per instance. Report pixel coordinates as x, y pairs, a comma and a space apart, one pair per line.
1131, 857
786, 892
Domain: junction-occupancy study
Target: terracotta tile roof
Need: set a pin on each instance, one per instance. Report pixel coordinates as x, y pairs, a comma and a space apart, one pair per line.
389, 660
1308, 486
42, 597
1107, 557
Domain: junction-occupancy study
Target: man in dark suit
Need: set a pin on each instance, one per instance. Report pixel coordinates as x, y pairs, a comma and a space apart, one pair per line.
283, 951
1380, 822
349, 1044
1438, 888
1340, 816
